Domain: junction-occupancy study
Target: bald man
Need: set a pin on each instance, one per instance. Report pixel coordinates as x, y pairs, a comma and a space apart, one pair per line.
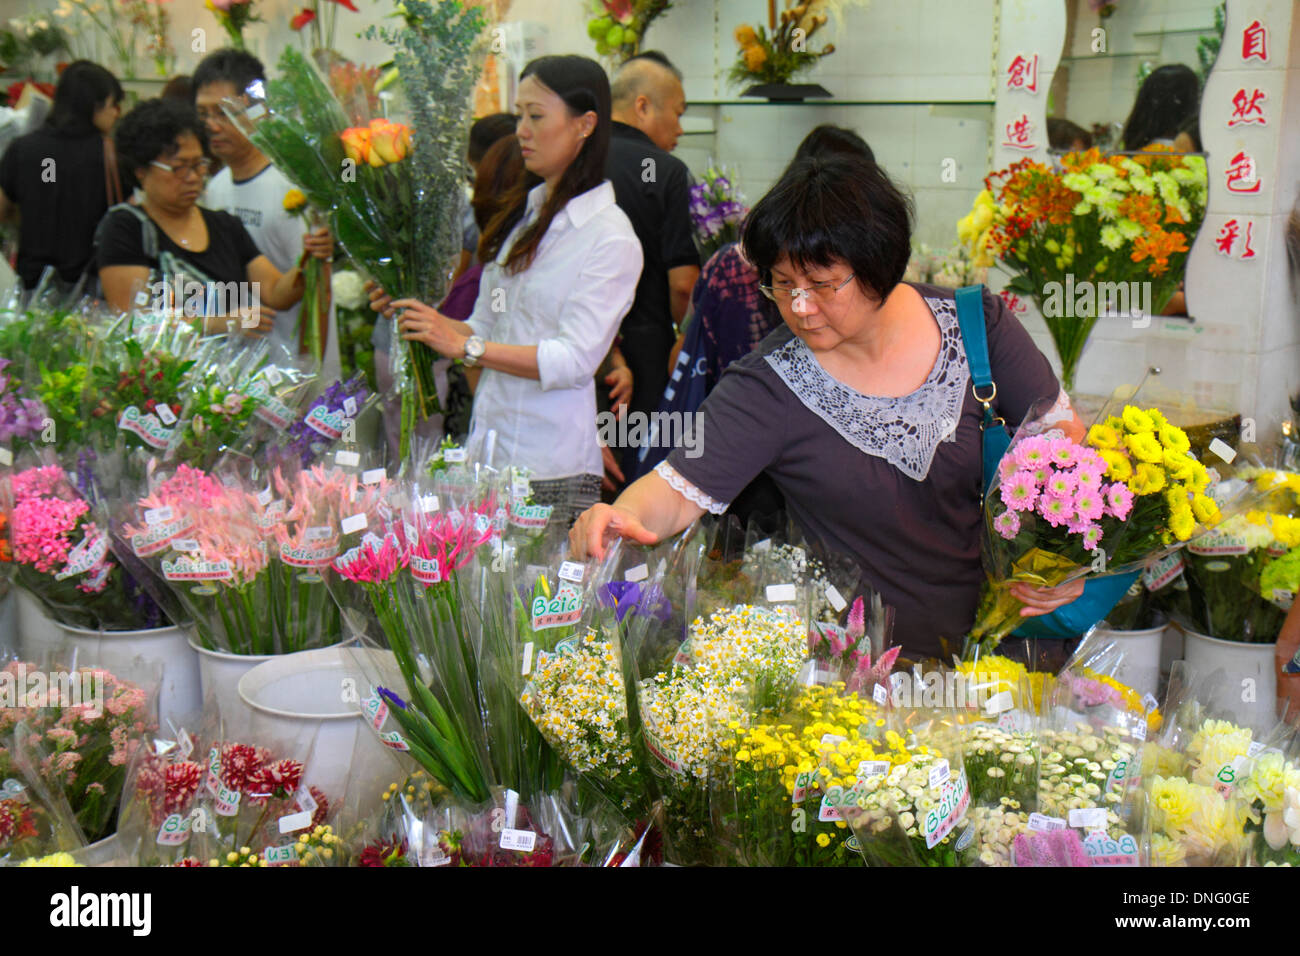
653, 189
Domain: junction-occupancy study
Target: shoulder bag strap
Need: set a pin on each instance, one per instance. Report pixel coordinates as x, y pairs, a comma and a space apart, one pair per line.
974, 334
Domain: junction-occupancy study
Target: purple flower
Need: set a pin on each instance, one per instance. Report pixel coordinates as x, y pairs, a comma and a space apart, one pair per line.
625, 596
389, 697
310, 444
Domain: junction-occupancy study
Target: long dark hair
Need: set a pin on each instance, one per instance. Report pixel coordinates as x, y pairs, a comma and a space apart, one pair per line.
1169, 96
584, 87
83, 88
500, 195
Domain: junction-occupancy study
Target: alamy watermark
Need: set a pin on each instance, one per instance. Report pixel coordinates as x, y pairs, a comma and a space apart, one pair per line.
683, 430
21, 688
242, 299
1087, 299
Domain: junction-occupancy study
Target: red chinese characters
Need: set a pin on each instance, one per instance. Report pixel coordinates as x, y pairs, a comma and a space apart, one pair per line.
1254, 42
1014, 304
1019, 134
1022, 73
1225, 243
1246, 108
1240, 175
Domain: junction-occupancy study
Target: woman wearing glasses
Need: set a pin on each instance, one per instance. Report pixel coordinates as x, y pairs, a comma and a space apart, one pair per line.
207, 260
859, 407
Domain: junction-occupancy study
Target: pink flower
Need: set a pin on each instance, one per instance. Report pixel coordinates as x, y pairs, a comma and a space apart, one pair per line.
1064, 453
1119, 500
1020, 491
279, 779
1088, 480
1092, 537
1007, 524
1060, 484
1089, 505
1057, 511
1089, 460
1032, 452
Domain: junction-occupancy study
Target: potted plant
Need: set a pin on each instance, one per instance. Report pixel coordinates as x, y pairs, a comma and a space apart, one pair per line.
770, 57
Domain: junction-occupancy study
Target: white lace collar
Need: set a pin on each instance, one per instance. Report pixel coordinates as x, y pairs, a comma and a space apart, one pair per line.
904, 431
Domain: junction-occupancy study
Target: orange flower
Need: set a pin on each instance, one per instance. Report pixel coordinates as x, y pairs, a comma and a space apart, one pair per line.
1141, 209
755, 56
1078, 162
389, 141
1172, 215
1159, 245
356, 143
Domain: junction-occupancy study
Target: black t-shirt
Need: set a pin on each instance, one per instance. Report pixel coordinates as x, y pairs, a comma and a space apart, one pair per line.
57, 180
230, 247
656, 197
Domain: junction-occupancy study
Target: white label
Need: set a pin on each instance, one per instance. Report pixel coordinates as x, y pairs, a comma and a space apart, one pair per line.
571, 571
433, 856
1089, 819
454, 456
348, 459
1044, 823
350, 406
6, 457
317, 533
174, 831
354, 523
520, 488
273, 375
13, 790
306, 801
879, 694
999, 702
1149, 702
780, 593
872, 768
1223, 450
293, 822
764, 545
186, 744
639, 573
428, 503
832, 740
837, 600
374, 476
528, 658
165, 413
522, 841
1255, 749
158, 515
227, 803
1140, 729
189, 545
276, 855
264, 496
939, 773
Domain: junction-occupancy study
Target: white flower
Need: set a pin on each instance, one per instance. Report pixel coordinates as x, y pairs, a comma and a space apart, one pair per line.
348, 289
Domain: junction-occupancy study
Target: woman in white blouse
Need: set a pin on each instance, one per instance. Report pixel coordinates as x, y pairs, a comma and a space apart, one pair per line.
551, 302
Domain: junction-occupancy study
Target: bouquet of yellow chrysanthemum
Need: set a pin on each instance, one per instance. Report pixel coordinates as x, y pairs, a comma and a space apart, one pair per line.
1091, 237
1061, 510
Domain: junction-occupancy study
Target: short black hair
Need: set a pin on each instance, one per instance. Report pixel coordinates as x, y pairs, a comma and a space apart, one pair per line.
150, 131
827, 140
83, 88
654, 56
1063, 134
836, 208
237, 67
487, 130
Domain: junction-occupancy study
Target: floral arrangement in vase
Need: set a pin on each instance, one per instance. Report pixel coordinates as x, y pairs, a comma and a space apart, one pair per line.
775, 54
618, 26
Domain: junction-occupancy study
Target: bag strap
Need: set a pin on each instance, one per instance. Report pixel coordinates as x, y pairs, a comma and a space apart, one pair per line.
974, 334
112, 183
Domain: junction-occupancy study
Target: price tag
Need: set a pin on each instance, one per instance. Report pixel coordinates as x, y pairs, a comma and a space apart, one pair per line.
306, 802
158, 515
354, 523
273, 375
1149, 702
6, 457
174, 831
1223, 450
433, 856
939, 773
872, 768
1140, 729
374, 476
521, 841
350, 406
278, 855
348, 459
165, 413
639, 573
264, 496
780, 593
293, 822
1255, 749
255, 111
1088, 819
428, 503
227, 803
317, 533
764, 545
528, 658
571, 571
1045, 824
520, 488
836, 599
454, 456
880, 695
999, 702
186, 744
188, 545
832, 740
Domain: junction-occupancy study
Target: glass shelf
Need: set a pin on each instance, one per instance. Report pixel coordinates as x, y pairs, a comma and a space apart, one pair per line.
1177, 32
1100, 57
822, 101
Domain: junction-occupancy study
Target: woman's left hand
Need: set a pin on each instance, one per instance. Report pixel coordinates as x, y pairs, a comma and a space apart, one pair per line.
1039, 601
423, 323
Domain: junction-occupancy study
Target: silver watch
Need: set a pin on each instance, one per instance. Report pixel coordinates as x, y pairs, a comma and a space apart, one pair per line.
474, 346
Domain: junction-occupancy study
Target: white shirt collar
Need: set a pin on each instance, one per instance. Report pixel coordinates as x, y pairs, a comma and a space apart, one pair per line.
581, 208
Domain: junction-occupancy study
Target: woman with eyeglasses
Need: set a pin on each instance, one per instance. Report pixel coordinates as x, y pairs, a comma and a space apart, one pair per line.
860, 408
552, 297
171, 251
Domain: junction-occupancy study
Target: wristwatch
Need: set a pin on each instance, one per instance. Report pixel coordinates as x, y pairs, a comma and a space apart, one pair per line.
474, 346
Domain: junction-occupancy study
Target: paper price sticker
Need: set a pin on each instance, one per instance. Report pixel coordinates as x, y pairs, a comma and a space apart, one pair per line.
354, 523
1140, 729
1045, 824
188, 545
1149, 702
1255, 749
1090, 818
318, 533
264, 496
832, 740
521, 841
293, 822
572, 571
350, 406
880, 695
280, 855
6, 457
186, 744
528, 659
802, 783
395, 741
836, 599
374, 476
780, 593
273, 375
174, 831
157, 516
254, 112
165, 414
639, 573
1223, 450
999, 702
348, 459
520, 488
454, 456
433, 856
428, 503
873, 768
306, 802
764, 545
939, 773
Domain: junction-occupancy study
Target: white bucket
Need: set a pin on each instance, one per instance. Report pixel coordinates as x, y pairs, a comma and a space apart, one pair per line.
36, 631
116, 651
1249, 667
219, 674
312, 697
1171, 647
1139, 665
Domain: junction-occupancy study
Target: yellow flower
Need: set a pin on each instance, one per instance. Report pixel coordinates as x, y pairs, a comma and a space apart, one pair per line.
1136, 420
755, 56
1147, 480
823, 840
1157, 418
1205, 510
1119, 468
293, 199
54, 859
1144, 446
1287, 530
1180, 465
1174, 438
1103, 436
1173, 798
1182, 523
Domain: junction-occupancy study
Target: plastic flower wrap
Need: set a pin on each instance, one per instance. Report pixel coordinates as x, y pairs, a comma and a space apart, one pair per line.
1060, 509
76, 733
717, 210
46, 346
326, 419
1224, 572
161, 798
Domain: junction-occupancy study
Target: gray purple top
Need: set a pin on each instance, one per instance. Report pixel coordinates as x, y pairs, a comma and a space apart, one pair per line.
892, 482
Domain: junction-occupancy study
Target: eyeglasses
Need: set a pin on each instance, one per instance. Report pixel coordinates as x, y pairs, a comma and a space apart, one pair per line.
184, 170
822, 291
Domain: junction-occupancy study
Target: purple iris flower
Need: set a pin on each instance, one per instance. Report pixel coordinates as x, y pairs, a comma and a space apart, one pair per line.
626, 596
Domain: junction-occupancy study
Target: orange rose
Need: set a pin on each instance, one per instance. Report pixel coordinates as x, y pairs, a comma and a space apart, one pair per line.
389, 142
356, 143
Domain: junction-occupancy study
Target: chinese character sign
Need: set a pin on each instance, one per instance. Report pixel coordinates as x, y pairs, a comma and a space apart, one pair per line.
1246, 108
1022, 73
1226, 241
1254, 42
1240, 175
1020, 134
